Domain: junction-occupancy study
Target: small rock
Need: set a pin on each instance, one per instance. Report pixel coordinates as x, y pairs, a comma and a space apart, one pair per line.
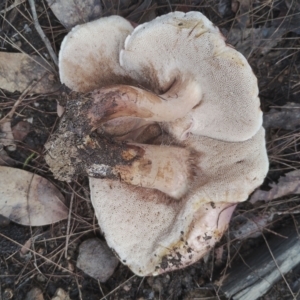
34, 294
60, 294
96, 259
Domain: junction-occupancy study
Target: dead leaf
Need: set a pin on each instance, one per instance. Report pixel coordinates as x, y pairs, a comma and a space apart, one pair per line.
30, 199
288, 117
287, 185
71, 13
18, 71
20, 130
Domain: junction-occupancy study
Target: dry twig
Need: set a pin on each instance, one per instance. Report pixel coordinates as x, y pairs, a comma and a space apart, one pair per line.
41, 32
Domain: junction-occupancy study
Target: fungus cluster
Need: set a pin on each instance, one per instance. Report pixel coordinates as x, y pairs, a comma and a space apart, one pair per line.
169, 129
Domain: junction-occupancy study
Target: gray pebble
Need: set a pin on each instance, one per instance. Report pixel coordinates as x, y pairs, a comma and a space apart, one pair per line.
96, 259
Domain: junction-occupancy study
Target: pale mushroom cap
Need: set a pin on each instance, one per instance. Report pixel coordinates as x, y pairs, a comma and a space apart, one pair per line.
144, 225
89, 54
180, 46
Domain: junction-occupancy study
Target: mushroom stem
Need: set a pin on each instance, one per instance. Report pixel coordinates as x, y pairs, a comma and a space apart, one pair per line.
167, 169
123, 101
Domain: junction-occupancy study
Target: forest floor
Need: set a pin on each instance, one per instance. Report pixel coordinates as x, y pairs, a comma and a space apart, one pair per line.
267, 33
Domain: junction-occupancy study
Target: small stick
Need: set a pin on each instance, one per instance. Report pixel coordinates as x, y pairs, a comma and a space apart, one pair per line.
41, 32
17, 103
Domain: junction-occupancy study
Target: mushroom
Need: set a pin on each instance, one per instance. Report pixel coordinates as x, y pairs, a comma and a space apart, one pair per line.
181, 57
169, 132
